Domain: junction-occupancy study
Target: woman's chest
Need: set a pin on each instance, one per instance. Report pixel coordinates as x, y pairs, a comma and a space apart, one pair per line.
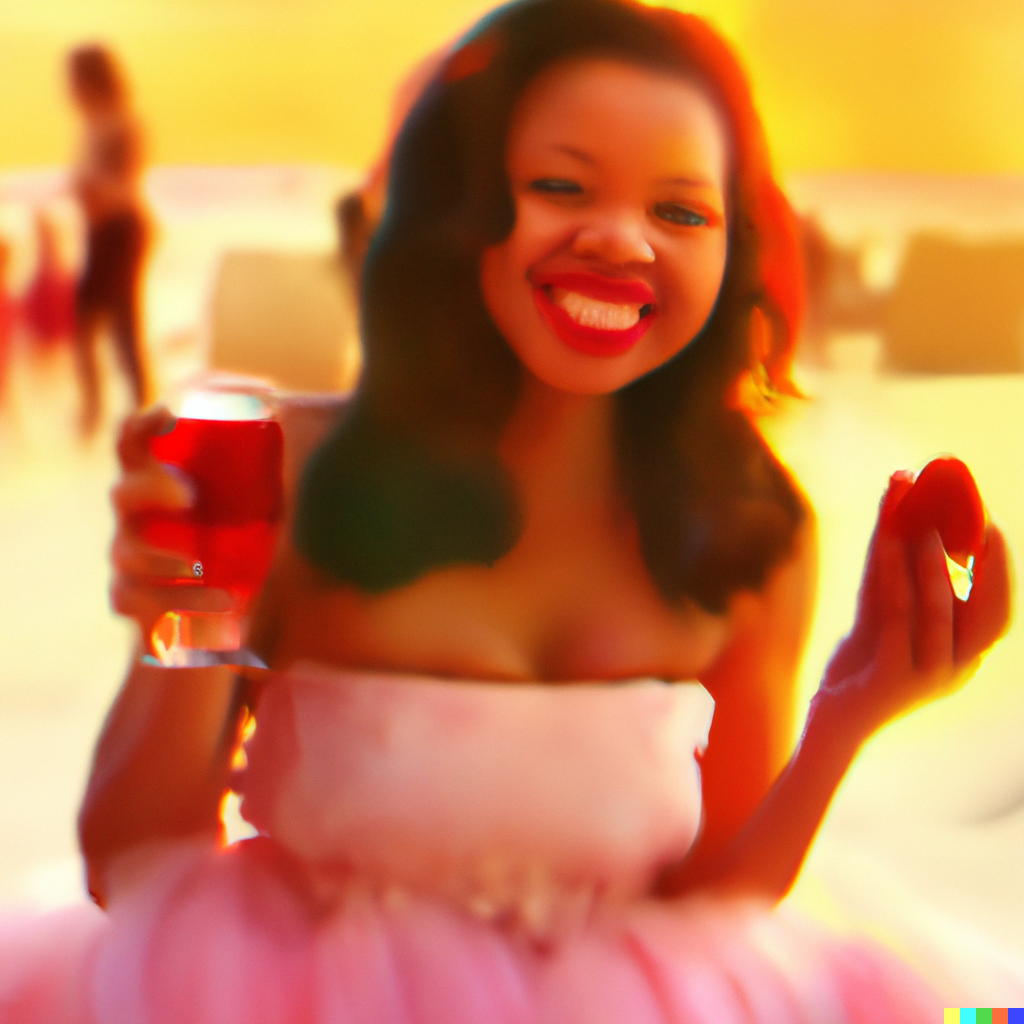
579, 606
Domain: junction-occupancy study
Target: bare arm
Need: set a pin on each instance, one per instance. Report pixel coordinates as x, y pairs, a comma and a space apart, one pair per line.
754, 685
161, 765
911, 642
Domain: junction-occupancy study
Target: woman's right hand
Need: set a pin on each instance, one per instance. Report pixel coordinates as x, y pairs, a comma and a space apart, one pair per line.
912, 640
143, 586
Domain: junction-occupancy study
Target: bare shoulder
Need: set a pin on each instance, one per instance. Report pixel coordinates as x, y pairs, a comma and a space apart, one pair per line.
786, 601
791, 584
768, 628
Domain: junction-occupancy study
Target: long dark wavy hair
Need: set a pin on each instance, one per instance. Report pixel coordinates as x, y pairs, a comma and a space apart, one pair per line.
409, 480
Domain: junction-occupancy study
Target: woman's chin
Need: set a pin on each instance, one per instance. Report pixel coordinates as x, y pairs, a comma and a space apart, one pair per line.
576, 374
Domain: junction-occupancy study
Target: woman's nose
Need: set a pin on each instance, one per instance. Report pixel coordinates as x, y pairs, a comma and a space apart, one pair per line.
615, 238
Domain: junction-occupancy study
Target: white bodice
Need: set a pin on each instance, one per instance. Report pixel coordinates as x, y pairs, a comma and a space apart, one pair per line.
514, 799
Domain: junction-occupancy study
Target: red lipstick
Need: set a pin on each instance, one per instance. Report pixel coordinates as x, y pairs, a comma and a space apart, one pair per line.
595, 341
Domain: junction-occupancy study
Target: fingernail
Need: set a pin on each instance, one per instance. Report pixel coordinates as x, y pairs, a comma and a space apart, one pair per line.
900, 483
166, 428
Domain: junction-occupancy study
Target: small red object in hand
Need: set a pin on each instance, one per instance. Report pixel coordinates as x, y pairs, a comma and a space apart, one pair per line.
943, 497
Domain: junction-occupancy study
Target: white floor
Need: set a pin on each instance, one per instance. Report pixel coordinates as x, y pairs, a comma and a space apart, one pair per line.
61, 650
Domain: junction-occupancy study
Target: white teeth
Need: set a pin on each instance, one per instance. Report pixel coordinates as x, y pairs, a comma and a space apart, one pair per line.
588, 312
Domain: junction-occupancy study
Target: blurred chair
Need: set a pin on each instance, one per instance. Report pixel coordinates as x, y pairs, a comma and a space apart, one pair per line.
957, 307
838, 299
287, 316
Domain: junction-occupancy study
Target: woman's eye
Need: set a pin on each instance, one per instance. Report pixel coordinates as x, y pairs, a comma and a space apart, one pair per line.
679, 213
556, 187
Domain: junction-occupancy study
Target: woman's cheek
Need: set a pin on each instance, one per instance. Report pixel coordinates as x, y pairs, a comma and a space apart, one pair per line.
542, 229
697, 280
709, 271
506, 292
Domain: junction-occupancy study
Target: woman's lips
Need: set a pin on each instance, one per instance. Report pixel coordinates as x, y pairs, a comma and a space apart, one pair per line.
597, 315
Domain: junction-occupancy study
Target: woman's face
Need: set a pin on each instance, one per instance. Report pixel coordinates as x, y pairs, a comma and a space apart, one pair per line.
618, 251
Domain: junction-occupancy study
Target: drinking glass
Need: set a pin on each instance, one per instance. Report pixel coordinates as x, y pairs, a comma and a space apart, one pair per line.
228, 442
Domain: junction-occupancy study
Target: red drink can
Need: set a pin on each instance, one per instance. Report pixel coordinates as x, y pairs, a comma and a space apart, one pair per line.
230, 531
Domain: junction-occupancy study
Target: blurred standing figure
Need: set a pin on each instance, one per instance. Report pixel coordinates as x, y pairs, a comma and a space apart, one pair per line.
48, 306
7, 311
106, 182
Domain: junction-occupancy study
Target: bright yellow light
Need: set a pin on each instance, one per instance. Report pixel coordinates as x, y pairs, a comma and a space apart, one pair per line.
881, 84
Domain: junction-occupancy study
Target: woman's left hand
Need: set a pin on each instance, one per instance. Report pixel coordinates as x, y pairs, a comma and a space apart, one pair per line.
913, 640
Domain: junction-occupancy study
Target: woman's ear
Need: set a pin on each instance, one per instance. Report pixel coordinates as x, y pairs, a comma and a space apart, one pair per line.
778, 344
766, 378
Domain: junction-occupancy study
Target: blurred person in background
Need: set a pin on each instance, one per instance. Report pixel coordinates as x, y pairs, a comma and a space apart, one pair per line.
106, 181
48, 306
7, 312
358, 213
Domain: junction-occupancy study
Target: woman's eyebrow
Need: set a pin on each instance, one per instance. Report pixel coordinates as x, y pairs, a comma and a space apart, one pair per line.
576, 154
689, 181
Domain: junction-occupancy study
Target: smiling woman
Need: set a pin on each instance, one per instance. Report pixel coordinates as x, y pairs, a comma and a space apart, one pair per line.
579, 163
543, 517
619, 178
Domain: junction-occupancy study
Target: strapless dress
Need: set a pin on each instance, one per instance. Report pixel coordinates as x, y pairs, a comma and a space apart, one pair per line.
441, 852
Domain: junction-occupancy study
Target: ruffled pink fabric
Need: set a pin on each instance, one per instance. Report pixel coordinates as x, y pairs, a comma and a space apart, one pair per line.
235, 937
46, 965
522, 826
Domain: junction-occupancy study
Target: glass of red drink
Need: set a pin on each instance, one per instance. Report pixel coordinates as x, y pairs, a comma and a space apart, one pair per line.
228, 442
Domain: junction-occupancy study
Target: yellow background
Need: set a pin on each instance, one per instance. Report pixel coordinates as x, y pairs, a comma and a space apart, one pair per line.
909, 85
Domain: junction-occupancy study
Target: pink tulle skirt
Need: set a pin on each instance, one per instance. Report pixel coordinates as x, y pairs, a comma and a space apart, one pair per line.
241, 936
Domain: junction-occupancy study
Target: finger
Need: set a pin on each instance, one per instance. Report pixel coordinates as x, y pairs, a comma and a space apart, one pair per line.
881, 684
895, 605
137, 600
985, 616
858, 648
140, 599
868, 601
157, 486
933, 607
883, 647
899, 484
146, 605
132, 557
137, 431
196, 599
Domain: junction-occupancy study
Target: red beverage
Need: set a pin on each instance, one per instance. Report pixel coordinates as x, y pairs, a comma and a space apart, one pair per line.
230, 531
